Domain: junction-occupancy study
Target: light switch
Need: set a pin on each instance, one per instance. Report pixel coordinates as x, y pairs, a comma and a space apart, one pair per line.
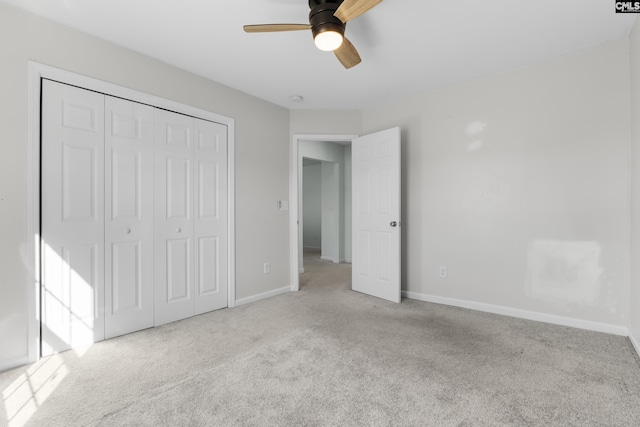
283, 205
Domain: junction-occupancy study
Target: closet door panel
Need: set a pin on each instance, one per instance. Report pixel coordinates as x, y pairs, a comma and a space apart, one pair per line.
126, 283
210, 177
208, 266
174, 259
72, 217
129, 169
178, 259
178, 189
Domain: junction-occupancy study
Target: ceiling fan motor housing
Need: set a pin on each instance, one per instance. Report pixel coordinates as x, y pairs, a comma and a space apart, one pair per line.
322, 19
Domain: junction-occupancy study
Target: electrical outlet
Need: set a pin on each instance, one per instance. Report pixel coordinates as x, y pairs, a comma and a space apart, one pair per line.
267, 268
443, 272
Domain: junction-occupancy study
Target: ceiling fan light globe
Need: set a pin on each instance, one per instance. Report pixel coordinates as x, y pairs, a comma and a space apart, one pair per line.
328, 40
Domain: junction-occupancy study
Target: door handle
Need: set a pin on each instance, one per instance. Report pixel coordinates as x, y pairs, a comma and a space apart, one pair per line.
178, 230
127, 230
393, 223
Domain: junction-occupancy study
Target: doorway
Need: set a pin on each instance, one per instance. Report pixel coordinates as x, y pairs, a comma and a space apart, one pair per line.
325, 200
334, 154
375, 161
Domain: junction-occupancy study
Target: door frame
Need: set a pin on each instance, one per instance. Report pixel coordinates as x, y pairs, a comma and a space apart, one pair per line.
37, 72
295, 214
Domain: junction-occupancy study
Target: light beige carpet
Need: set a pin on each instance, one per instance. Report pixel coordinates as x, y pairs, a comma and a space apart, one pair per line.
329, 356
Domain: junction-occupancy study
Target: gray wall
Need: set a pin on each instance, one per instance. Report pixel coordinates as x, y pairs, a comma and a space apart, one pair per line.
519, 184
332, 211
634, 54
347, 204
311, 206
262, 147
336, 122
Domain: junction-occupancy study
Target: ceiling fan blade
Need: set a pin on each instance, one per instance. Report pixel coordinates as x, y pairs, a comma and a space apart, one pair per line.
350, 9
271, 28
347, 54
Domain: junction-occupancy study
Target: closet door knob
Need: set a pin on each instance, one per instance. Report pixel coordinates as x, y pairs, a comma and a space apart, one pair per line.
178, 230
127, 231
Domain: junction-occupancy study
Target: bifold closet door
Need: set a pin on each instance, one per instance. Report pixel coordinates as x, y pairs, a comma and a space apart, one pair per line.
72, 215
174, 217
191, 220
128, 216
211, 222
97, 217
134, 216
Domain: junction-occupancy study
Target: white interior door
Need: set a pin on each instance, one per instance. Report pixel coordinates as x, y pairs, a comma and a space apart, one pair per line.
72, 217
128, 216
376, 214
210, 228
174, 254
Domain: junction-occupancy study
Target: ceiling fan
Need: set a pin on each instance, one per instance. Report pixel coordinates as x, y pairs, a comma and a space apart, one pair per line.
327, 22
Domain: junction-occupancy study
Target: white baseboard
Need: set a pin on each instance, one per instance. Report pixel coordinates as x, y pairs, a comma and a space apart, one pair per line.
523, 314
262, 296
300, 271
14, 362
332, 259
348, 261
635, 342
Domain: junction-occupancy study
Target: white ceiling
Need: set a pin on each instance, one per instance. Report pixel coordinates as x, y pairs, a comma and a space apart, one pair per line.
407, 46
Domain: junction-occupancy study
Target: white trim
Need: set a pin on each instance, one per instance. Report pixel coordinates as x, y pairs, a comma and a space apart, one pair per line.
33, 212
635, 342
231, 213
294, 269
301, 271
263, 295
36, 73
522, 314
14, 362
295, 220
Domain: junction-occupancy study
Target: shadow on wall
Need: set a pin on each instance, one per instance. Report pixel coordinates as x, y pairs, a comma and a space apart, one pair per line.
565, 274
